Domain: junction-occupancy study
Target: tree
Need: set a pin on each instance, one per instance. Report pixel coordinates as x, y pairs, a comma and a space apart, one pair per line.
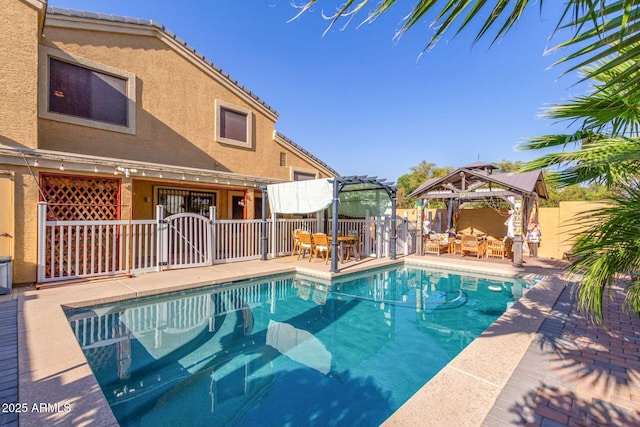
509, 166
418, 175
594, 191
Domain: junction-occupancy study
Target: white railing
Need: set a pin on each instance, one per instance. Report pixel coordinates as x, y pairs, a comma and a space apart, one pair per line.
143, 245
79, 249
237, 240
187, 238
281, 241
82, 249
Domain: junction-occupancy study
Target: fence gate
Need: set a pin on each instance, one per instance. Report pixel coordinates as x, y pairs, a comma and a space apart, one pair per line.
184, 240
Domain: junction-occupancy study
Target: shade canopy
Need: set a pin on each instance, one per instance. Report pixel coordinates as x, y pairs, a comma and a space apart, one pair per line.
358, 195
300, 197
354, 196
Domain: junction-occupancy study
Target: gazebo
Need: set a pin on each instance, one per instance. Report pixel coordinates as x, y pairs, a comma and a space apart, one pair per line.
478, 182
347, 195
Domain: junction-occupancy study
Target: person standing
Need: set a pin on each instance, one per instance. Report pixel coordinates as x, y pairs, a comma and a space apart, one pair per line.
534, 236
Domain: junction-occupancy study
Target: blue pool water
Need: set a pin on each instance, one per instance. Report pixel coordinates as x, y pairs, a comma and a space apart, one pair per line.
286, 350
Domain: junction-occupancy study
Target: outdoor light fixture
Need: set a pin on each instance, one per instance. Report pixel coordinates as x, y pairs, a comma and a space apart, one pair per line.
144, 173
127, 171
95, 169
160, 175
61, 167
183, 178
36, 164
115, 171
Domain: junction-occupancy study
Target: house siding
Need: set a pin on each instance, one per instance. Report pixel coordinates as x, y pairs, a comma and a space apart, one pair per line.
19, 74
175, 109
176, 92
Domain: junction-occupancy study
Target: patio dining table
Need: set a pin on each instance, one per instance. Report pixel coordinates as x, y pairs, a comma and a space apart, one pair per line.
341, 241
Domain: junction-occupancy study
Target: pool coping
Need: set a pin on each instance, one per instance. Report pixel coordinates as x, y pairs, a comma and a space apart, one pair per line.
53, 370
464, 391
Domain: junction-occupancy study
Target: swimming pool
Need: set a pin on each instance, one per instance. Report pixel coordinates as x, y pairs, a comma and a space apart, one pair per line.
286, 350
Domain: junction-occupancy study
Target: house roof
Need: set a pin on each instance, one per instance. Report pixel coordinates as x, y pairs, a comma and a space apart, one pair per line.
56, 11
279, 136
60, 12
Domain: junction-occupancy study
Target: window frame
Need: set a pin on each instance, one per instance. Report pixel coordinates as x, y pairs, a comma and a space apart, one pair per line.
303, 171
158, 188
219, 106
43, 92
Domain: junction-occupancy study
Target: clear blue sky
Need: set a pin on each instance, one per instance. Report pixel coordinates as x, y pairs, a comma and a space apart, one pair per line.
363, 103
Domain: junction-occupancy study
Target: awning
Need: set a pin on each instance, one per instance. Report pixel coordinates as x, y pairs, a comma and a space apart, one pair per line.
355, 198
300, 197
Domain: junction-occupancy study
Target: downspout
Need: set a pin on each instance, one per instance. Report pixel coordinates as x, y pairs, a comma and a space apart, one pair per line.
263, 225
334, 227
394, 235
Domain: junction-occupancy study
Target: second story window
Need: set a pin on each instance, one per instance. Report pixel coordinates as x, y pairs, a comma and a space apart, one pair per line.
86, 93
234, 125
301, 174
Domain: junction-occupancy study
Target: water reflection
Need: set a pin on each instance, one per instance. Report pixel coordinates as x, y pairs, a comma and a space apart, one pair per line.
224, 352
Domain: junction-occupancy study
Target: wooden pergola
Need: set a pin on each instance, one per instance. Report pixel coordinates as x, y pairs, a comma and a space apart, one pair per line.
478, 182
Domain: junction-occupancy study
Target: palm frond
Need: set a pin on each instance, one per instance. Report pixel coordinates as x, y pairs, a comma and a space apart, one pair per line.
610, 246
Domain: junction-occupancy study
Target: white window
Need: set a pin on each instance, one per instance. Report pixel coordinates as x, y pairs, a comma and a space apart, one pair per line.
234, 125
86, 93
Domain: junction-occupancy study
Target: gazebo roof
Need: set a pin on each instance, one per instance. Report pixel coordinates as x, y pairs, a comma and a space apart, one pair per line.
475, 181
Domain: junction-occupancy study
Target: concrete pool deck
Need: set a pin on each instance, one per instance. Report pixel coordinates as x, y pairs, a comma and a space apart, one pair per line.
539, 364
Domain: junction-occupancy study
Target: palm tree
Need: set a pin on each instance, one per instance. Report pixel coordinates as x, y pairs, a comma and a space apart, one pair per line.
607, 142
607, 150
610, 246
601, 28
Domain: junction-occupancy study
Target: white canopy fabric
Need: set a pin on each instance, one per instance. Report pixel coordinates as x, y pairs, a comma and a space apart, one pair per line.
303, 197
300, 197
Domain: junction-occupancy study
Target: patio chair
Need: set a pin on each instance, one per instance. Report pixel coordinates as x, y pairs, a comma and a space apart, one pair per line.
496, 249
304, 244
296, 241
474, 244
436, 244
320, 244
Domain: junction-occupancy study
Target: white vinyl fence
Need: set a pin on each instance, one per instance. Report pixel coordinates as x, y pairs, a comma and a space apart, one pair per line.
82, 249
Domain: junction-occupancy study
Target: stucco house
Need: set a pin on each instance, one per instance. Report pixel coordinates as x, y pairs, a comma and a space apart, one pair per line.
105, 117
